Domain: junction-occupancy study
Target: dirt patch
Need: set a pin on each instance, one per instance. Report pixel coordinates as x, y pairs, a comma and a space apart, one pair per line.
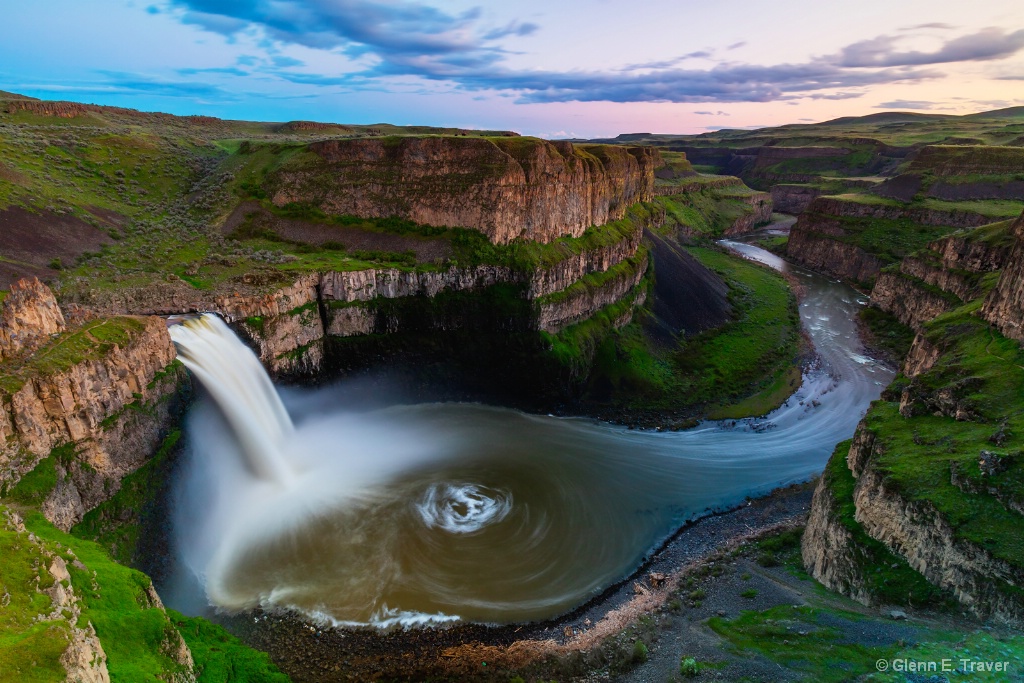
29, 242
111, 218
251, 214
12, 176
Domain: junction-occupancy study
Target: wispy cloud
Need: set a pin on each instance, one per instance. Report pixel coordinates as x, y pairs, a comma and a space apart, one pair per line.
668, 63
230, 71
119, 83
987, 44
934, 24
906, 104
155, 86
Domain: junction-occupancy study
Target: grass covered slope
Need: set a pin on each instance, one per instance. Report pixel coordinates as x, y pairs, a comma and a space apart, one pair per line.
935, 457
141, 641
138, 640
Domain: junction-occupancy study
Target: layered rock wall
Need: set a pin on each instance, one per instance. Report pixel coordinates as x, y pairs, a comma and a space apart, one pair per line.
760, 205
912, 529
580, 302
910, 299
822, 252
828, 547
507, 188
949, 272
110, 409
953, 218
824, 239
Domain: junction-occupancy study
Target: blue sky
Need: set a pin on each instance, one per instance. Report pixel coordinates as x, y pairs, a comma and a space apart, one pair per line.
573, 68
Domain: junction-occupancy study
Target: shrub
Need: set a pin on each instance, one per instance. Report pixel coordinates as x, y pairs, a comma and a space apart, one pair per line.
640, 652
689, 667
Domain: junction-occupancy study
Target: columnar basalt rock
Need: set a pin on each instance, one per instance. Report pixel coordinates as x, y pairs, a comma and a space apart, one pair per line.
821, 251
922, 356
910, 299
916, 531
828, 547
507, 188
580, 303
949, 272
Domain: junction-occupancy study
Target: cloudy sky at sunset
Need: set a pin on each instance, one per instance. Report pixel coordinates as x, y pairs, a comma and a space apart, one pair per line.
584, 68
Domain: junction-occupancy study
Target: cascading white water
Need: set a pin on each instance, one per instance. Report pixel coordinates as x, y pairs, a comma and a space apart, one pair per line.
239, 385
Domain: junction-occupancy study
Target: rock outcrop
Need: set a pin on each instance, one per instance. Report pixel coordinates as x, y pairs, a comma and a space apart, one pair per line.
949, 272
922, 356
822, 252
63, 110
102, 395
794, 199
912, 300
53, 598
507, 188
916, 531
911, 529
583, 300
760, 205
850, 208
828, 547
960, 173
1004, 306
29, 317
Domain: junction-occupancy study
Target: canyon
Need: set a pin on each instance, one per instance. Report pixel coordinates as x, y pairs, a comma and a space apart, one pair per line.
565, 277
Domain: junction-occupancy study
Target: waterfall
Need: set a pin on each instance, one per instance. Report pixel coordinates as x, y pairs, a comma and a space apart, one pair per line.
239, 385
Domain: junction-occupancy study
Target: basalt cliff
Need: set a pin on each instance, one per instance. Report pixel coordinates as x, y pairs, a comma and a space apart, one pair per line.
93, 400
507, 188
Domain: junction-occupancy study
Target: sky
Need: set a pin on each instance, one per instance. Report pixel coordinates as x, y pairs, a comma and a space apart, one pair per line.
552, 68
